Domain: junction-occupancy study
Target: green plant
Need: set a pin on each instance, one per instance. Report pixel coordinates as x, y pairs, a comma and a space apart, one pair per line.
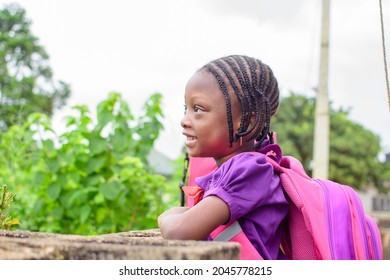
6, 198
92, 178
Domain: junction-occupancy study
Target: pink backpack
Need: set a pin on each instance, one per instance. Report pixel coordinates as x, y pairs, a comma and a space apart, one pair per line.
326, 220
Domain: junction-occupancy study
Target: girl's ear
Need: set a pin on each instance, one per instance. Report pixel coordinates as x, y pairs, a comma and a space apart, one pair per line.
252, 121
237, 122
253, 117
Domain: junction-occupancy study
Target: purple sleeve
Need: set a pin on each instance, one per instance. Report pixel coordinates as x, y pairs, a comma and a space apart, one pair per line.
244, 182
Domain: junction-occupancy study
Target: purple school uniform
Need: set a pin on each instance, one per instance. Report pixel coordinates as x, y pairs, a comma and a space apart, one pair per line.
255, 198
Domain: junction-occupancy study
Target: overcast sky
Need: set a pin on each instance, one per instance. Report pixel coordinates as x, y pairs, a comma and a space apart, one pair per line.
141, 47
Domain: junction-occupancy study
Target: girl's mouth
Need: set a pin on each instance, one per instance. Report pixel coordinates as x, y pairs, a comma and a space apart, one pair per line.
191, 141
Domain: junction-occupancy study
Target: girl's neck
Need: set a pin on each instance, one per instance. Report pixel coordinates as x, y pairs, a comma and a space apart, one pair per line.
239, 150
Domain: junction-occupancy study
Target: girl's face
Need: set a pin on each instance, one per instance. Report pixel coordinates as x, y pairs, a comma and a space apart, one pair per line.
205, 119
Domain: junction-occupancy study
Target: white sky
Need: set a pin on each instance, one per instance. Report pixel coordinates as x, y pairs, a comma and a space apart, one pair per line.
141, 47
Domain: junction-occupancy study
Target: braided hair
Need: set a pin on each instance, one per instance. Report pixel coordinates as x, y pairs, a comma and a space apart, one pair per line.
256, 90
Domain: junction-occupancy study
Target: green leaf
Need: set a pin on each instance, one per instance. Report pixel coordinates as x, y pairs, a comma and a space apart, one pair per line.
69, 121
38, 178
58, 212
53, 191
99, 199
92, 233
110, 190
73, 213
74, 176
105, 111
84, 213
65, 200
97, 145
125, 110
53, 165
94, 179
77, 197
66, 159
48, 145
119, 140
95, 163
101, 215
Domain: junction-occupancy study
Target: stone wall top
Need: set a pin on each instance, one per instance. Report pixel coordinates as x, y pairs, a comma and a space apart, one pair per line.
133, 245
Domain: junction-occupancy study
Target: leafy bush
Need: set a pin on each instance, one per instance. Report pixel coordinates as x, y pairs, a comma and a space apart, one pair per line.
92, 178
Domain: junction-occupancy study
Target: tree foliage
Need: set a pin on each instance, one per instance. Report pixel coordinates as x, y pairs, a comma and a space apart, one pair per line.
94, 177
354, 150
26, 79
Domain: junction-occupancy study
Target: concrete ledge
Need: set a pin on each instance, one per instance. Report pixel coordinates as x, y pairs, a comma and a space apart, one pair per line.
134, 245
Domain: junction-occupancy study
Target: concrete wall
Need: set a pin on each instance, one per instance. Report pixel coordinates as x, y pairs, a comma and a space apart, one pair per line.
134, 245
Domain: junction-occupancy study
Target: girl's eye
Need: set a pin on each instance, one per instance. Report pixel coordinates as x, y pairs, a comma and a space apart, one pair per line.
197, 108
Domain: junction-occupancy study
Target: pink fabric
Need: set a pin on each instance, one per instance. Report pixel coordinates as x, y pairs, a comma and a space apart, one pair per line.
193, 194
306, 206
199, 167
326, 219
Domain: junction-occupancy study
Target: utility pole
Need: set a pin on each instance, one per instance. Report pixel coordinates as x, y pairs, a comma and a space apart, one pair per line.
321, 125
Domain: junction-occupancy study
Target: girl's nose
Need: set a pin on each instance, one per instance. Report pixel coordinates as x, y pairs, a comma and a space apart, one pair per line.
185, 122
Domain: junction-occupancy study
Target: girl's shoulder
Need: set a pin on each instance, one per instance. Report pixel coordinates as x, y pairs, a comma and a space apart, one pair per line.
245, 167
241, 167
257, 157
244, 160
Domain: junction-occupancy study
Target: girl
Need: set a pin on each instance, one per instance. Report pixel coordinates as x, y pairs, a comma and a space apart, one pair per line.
228, 106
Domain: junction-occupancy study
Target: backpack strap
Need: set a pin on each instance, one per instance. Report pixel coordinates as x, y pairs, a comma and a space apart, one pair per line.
232, 232
226, 232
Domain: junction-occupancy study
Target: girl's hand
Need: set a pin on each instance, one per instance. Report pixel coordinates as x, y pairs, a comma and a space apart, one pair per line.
194, 223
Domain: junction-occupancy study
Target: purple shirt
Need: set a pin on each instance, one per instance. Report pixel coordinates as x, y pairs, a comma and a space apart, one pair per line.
254, 195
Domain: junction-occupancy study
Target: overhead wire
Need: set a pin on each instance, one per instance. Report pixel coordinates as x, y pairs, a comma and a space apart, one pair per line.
384, 52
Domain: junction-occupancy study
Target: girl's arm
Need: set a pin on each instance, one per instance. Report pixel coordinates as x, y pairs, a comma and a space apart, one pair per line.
194, 223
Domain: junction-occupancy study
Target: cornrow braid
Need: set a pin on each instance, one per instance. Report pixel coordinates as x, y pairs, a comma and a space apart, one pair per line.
236, 90
258, 117
256, 89
225, 92
260, 131
248, 104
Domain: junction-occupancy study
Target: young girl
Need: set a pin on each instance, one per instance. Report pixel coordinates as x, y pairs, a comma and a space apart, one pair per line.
228, 106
